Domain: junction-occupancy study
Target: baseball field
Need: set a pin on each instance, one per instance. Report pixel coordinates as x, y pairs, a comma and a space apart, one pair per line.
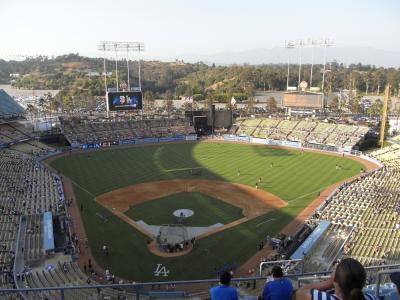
254, 191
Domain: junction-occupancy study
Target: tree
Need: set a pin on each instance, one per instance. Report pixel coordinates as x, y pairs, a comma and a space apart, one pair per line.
55, 105
249, 89
355, 106
32, 110
376, 107
169, 95
334, 104
67, 103
271, 104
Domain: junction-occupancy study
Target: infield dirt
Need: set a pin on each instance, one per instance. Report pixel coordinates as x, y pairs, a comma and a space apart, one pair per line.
254, 202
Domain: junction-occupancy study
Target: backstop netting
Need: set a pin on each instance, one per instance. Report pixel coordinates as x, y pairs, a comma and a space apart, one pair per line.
172, 234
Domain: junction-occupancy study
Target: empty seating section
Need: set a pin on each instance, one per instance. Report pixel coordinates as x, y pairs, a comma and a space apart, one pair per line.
69, 274
370, 206
248, 126
320, 133
282, 130
28, 189
303, 131
104, 130
33, 147
13, 132
265, 127
33, 239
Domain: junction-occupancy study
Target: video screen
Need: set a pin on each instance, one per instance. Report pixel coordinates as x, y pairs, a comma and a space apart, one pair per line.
124, 101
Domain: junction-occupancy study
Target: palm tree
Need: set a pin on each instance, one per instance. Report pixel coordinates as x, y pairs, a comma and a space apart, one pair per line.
31, 110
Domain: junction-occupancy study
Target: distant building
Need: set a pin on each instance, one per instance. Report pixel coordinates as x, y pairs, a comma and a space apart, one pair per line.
97, 74
93, 74
15, 75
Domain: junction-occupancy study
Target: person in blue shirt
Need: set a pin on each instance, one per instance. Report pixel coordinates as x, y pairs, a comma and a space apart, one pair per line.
347, 282
224, 291
279, 288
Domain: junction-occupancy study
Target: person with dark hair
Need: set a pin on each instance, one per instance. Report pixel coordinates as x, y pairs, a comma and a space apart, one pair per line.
224, 291
279, 288
347, 281
395, 278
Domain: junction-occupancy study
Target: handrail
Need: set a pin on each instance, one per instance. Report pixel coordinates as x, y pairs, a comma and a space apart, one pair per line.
277, 262
137, 287
382, 273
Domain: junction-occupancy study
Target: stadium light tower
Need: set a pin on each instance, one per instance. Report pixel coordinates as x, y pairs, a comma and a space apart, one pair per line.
292, 45
313, 44
140, 48
289, 45
325, 43
119, 47
102, 47
300, 44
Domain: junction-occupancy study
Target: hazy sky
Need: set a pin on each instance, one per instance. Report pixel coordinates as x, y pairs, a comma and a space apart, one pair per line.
172, 27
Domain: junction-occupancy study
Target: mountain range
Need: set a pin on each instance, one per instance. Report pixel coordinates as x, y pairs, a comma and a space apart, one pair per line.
345, 55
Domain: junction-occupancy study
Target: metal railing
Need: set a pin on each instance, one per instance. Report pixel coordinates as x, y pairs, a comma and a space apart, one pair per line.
280, 262
140, 290
380, 275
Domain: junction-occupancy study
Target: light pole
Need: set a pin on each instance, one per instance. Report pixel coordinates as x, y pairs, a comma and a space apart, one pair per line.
307, 43
118, 47
139, 49
325, 43
313, 43
127, 66
300, 45
289, 45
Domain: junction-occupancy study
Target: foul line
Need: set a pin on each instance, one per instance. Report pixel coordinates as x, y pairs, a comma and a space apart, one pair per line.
82, 188
183, 169
100, 216
259, 224
302, 196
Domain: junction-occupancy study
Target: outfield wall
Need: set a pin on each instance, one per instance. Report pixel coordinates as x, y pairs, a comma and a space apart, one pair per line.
291, 144
151, 140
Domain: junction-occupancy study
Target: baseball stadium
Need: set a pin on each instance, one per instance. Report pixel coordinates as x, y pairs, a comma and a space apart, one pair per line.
159, 206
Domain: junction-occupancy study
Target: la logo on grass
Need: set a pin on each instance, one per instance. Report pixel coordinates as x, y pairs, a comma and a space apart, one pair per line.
161, 271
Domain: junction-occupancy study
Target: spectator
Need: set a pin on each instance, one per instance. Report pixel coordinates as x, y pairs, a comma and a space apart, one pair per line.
224, 291
279, 288
347, 282
395, 278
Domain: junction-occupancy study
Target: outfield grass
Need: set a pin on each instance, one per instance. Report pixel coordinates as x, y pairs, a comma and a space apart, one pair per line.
207, 210
296, 177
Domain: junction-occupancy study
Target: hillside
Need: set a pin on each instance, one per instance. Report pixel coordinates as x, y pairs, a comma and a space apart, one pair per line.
70, 73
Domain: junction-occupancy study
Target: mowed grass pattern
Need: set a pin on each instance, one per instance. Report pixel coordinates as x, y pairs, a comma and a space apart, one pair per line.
207, 210
295, 176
